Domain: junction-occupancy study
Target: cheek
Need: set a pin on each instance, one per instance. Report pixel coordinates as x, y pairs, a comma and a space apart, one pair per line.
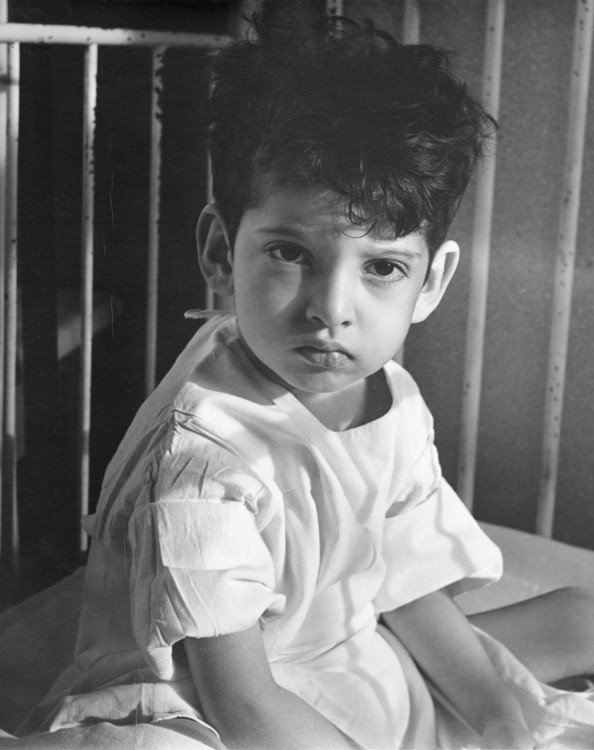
258, 305
274, 293
387, 325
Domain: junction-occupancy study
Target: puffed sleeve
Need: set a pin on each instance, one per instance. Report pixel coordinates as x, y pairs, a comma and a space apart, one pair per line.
431, 541
200, 567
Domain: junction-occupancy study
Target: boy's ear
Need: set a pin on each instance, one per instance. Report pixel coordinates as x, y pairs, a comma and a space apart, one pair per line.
214, 250
440, 274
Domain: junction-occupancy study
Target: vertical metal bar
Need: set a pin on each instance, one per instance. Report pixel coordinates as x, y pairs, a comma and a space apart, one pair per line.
479, 272
87, 241
411, 25
154, 218
210, 300
334, 8
565, 264
411, 34
242, 28
10, 423
3, 235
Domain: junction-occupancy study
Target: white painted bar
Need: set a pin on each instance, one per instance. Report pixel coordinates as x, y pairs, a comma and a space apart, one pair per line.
334, 8
10, 417
3, 236
243, 29
87, 249
411, 34
479, 272
411, 25
241, 25
565, 264
49, 34
210, 297
154, 219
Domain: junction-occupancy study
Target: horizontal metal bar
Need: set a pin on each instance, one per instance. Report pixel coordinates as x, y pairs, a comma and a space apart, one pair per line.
29, 33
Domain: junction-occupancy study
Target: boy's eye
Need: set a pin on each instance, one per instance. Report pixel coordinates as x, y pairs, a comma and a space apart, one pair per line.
287, 253
385, 269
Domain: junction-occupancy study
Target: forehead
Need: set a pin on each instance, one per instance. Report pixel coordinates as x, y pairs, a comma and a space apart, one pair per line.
307, 206
311, 209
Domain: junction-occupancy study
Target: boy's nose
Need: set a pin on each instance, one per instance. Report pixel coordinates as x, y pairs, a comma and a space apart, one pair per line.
331, 301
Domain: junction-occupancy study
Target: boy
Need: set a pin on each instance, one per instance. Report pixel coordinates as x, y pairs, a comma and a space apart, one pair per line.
280, 489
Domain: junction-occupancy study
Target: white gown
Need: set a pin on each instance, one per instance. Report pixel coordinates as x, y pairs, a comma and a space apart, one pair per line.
228, 503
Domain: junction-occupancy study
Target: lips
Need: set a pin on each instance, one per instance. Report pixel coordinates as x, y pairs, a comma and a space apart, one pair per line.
328, 355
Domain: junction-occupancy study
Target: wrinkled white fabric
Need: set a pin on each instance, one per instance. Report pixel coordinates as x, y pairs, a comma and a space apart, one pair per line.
228, 503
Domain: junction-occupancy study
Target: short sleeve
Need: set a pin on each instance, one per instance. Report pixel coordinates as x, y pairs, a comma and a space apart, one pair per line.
200, 567
431, 541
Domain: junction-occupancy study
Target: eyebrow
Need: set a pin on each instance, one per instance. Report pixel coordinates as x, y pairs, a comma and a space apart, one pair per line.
300, 235
396, 250
291, 231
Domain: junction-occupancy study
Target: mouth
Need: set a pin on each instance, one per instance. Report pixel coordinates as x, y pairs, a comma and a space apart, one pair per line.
327, 355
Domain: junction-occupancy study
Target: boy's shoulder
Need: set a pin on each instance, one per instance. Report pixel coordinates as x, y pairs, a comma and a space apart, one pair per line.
211, 389
213, 361
408, 397
221, 370
401, 382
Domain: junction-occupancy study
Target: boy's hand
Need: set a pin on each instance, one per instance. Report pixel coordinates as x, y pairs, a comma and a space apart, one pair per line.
506, 734
447, 649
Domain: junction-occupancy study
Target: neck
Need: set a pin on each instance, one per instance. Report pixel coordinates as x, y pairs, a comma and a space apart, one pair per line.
360, 403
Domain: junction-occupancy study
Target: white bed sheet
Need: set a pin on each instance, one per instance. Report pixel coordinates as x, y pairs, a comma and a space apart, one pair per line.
532, 566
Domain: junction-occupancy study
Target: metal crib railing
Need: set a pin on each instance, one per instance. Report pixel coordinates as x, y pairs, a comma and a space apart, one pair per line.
578, 75
13, 35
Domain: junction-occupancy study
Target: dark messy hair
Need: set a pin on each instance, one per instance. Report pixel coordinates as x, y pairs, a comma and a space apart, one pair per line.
345, 107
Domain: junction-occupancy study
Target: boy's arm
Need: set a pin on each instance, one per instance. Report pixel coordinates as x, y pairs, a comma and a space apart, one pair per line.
440, 639
239, 697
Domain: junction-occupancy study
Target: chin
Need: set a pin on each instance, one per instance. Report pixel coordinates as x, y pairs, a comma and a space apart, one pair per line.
321, 384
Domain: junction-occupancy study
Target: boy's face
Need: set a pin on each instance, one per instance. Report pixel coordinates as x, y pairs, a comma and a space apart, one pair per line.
320, 302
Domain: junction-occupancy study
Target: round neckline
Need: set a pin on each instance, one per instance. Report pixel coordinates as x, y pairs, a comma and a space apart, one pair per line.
290, 404
282, 397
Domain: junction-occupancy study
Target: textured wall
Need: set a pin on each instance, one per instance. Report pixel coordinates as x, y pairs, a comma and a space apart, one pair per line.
533, 120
